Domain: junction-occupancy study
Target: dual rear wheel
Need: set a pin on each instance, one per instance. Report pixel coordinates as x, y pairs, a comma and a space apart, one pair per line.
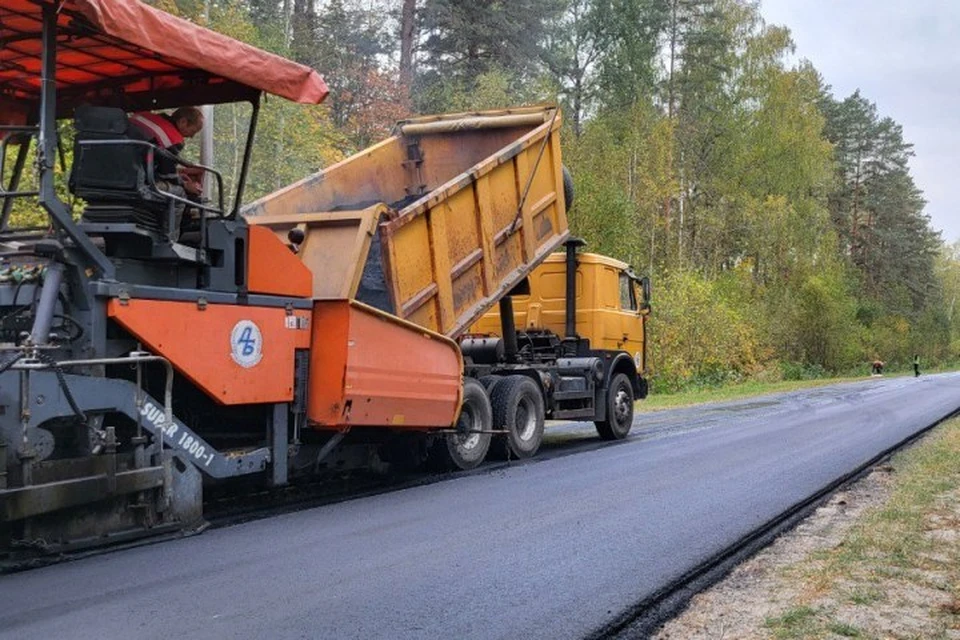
517, 408
512, 403
515, 404
467, 446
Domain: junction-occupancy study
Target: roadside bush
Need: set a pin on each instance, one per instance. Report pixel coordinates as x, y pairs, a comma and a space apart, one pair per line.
698, 338
889, 340
801, 371
816, 324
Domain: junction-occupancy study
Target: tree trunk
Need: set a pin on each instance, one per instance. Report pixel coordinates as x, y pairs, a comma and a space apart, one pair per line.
680, 210
578, 106
407, 24
855, 213
287, 23
674, 38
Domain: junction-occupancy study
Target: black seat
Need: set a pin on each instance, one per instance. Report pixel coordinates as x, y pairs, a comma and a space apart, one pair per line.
112, 178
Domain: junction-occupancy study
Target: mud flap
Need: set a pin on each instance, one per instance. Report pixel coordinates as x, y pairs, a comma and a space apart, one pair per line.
183, 487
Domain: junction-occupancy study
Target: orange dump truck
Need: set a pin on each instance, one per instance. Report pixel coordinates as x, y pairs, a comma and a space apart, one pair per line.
409, 244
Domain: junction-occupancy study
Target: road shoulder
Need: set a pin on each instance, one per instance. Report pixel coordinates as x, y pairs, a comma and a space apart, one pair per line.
880, 559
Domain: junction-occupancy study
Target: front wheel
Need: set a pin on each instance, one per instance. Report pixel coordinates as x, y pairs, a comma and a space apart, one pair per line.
619, 409
466, 447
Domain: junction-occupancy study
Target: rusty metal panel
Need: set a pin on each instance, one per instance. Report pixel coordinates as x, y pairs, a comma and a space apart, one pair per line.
451, 256
371, 176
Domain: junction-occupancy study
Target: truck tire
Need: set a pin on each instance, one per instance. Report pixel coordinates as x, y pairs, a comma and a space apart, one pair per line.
489, 381
465, 449
518, 408
619, 409
567, 189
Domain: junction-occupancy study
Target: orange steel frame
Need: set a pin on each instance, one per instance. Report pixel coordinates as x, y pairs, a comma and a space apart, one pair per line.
273, 269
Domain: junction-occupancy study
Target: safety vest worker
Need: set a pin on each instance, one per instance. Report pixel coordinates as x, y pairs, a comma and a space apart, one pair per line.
168, 132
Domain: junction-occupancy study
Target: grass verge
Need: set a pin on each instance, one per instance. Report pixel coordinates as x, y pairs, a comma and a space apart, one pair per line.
896, 573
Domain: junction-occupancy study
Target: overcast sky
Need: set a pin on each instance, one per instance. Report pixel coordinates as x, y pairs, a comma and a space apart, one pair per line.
904, 56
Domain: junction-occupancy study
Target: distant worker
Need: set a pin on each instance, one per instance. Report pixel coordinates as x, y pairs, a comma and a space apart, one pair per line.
877, 367
916, 366
169, 132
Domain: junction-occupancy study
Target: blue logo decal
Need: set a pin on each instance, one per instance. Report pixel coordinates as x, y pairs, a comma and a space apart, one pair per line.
246, 344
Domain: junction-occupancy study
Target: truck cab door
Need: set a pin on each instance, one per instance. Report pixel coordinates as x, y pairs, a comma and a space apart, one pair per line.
631, 318
638, 324
621, 312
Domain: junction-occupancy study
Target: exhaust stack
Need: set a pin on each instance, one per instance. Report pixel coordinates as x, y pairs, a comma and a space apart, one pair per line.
571, 320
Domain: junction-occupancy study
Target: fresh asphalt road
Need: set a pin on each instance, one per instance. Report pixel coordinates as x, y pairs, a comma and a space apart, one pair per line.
551, 548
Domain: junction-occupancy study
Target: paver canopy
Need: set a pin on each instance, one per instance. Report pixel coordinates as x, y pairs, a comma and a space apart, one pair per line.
127, 54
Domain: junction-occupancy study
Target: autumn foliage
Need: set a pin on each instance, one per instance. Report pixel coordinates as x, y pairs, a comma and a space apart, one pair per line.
780, 224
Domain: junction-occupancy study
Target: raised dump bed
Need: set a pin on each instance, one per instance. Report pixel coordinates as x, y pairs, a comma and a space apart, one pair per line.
436, 223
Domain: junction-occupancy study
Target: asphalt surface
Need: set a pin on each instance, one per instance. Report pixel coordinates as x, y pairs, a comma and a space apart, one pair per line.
551, 548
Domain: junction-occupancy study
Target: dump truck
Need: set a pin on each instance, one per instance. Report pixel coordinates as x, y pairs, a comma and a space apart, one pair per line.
329, 324
477, 201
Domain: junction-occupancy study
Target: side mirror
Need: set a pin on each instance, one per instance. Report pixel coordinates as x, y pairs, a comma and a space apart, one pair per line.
645, 287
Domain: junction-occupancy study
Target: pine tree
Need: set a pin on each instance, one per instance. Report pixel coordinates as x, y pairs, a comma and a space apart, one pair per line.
463, 41
575, 44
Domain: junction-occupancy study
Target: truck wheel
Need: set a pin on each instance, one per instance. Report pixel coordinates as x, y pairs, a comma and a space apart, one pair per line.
567, 189
489, 381
518, 408
619, 409
466, 449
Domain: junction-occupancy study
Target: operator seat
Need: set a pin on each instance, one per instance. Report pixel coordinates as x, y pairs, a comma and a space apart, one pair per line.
112, 178
130, 216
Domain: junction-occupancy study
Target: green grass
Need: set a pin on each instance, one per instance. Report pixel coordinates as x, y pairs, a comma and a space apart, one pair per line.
865, 595
808, 622
798, 622
844, 629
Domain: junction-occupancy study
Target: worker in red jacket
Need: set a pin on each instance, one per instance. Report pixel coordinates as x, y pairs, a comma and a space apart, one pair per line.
170, 132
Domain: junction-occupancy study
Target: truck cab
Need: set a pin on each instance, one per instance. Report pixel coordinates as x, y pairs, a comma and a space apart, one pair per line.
612, 304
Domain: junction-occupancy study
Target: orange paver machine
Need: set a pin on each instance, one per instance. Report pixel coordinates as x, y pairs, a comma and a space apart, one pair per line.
147, 357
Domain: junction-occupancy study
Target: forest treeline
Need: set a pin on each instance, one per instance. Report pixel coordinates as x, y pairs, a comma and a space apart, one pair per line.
780, 223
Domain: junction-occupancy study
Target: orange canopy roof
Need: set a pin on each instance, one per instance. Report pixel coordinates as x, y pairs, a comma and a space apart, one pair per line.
127, 54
